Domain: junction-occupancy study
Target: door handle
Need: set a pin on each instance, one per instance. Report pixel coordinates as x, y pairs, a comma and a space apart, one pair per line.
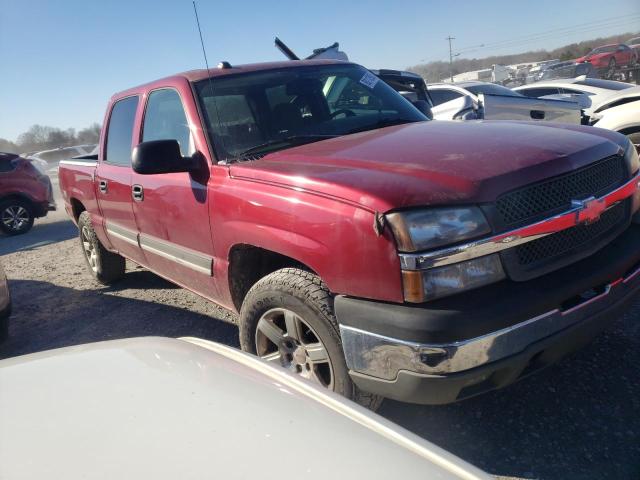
537, 114
137, 192
103, 186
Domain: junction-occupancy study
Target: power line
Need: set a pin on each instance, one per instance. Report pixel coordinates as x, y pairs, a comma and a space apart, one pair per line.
602, 23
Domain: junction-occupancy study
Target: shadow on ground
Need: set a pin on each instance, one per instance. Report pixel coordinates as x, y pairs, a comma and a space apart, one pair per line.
47, 316
41, 234
578, 419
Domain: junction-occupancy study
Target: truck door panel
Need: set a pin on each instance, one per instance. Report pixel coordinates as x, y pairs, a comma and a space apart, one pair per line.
113, 181
173, 214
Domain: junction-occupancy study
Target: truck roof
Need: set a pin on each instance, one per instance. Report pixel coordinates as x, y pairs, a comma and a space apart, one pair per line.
215, 71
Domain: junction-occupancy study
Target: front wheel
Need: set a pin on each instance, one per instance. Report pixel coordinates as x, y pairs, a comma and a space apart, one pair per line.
106, 267
287, 318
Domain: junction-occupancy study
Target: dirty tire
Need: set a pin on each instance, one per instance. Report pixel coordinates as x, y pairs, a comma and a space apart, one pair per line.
306, 295
109, 267
7, 207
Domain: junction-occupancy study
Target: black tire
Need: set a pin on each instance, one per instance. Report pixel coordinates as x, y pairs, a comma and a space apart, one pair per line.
306, 295
16, 216
105, 266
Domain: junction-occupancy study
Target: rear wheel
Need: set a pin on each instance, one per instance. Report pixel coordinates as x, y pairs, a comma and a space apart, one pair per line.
287, 318
106, 267
16, 216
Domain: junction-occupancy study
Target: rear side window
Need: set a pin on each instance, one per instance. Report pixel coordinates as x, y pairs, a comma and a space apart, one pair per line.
441, 96
539, 92
120, 132
165, 120
7, 162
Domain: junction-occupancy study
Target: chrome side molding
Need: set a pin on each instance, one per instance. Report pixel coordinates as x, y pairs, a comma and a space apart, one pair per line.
186, 257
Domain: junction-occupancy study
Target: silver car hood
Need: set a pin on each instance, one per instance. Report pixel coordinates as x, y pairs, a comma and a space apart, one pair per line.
191, 409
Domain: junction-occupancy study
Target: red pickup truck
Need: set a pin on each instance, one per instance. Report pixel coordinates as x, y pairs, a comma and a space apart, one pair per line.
364, 247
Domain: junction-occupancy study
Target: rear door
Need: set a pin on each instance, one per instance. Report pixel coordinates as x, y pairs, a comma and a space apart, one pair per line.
171, 209
113, 180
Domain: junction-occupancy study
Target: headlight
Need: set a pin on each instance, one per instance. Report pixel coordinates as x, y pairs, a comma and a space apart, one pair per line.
424, 285
416, 230
631, 156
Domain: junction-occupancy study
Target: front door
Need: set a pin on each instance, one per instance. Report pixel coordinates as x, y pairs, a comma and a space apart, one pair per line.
113, 181
171, 209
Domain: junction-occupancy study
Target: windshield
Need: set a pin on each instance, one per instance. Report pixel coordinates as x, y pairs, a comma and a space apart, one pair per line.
277, 109
492, 89
605, 49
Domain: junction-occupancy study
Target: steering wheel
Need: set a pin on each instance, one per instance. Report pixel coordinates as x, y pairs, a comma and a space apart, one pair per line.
343, 111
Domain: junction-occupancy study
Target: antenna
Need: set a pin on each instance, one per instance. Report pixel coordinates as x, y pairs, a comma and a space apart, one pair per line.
206, 62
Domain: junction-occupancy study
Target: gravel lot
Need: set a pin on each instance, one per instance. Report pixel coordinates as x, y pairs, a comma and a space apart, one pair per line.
576, 420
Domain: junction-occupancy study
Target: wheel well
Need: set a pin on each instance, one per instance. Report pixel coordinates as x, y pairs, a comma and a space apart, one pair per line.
77, 207
17, 196
248, 264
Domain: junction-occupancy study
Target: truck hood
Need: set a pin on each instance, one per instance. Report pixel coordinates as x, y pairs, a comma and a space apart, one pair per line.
432, 163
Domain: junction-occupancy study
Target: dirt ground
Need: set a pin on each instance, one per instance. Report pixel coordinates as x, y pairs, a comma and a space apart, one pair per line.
579, 419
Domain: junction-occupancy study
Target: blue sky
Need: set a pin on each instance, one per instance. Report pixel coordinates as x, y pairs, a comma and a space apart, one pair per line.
61, 60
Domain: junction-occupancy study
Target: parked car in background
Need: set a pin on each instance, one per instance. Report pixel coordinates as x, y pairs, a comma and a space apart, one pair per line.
594, 89
569, 70
535, 73
191, 409
619, 112
364, 247
25, 194
5, 304
610, 56
488, 101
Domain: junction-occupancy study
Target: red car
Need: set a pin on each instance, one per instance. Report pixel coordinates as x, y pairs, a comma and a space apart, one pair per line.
25, 194
364, 247
610, 56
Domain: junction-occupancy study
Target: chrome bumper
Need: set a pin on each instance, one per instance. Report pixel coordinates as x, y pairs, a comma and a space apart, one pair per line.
383, 357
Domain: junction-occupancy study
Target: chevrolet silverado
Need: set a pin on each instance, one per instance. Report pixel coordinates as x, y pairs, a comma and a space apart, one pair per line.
364, 247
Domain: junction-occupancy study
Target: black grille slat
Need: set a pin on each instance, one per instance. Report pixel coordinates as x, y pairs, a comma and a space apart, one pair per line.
559, 243
542, 199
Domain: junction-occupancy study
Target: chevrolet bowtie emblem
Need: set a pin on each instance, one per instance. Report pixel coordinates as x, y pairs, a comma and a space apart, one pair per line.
589, 210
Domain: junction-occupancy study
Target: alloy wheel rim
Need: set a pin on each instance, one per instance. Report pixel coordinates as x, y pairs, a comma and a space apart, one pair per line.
286, 339
89, 249
15, 217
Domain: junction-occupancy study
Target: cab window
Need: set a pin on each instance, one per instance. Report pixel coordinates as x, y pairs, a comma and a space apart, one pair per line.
165, 119
120, 131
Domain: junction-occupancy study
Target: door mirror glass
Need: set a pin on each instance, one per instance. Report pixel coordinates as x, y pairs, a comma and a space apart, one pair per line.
160, 156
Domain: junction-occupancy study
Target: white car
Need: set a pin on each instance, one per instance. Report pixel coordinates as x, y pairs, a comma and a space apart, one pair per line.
191, 409
488, 101
619, 112
594, 90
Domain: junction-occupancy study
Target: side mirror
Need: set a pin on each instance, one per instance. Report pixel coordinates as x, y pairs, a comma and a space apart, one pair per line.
160, 156
424, 107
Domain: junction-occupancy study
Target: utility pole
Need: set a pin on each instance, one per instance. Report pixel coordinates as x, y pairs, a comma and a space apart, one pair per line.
450, 57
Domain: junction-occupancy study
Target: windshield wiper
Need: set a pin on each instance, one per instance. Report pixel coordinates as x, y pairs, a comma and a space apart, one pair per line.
292, 140
383, 122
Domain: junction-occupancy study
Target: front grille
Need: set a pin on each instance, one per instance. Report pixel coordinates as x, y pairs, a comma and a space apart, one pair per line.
536, 258
546, 198
551, 246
